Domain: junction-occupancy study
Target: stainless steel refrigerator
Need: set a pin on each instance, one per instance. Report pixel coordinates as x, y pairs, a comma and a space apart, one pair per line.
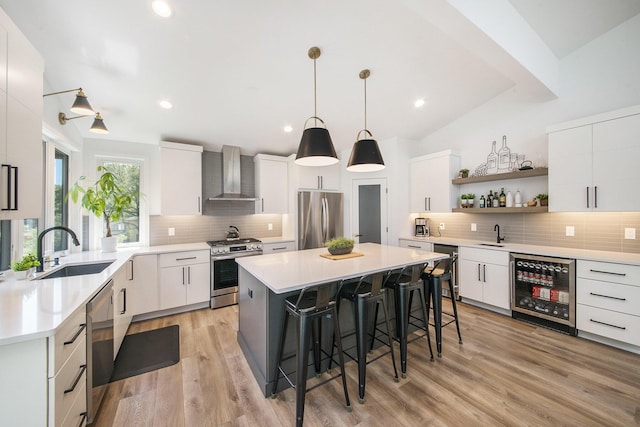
320, 218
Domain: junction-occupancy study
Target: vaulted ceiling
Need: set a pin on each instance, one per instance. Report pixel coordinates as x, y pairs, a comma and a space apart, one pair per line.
237, 72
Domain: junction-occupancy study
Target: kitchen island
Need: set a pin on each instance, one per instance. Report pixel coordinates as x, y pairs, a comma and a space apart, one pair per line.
265, 281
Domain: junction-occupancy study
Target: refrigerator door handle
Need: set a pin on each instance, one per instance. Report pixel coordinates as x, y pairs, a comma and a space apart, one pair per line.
325, 219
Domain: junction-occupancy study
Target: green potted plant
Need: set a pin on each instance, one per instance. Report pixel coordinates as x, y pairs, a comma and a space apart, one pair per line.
471, 197
105, 199
543, 198
339, 246
25, 267
464, 173
463, 200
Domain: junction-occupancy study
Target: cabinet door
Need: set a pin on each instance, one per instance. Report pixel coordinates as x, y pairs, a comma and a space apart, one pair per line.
181, 182
271, 248
173, 282
198, 283
271, 185
122, 313
470, 278
570, 170
430, 186
417, 190
318, 177
412, 244
25, 70
616, 150
145, 284
496, 286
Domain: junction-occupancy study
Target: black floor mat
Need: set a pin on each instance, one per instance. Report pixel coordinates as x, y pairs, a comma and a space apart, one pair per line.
147, 351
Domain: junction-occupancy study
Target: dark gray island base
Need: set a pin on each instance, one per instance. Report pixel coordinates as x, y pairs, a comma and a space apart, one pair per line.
265, 281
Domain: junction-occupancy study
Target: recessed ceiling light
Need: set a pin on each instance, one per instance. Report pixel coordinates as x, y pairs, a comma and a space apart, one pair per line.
288, 129
166, 104
419, 103
162, 8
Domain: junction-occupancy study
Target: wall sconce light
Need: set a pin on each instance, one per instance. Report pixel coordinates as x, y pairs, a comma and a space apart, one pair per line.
97, 126
80, 105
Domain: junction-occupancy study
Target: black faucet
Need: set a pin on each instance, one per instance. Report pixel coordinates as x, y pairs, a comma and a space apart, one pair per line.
498, 238
74, 238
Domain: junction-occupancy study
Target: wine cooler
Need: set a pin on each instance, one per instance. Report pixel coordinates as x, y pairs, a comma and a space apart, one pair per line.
543, 291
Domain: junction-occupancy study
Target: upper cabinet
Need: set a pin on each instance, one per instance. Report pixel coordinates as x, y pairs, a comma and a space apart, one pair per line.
271, 184
430, 184
21, 89
591, 165
181, 179
315, 177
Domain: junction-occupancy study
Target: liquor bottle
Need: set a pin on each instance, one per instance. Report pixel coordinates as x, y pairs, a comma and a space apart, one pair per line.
490, 199
509, 199
496, 200
502, 199
504, 157
482, 202
492, 160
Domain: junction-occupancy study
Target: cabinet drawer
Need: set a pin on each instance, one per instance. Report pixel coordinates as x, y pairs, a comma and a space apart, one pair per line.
617, 326
485, 256
610, 296
424, 246
183, 258
77, 415
609, 272
271, 248
66, 339
71, 377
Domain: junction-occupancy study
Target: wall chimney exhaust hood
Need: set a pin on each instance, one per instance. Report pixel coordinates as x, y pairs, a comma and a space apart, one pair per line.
231, 176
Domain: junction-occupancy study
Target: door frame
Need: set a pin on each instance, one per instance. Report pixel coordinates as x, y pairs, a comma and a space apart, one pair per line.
384, 207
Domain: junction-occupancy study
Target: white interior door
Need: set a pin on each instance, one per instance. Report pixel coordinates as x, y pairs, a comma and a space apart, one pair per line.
369, 210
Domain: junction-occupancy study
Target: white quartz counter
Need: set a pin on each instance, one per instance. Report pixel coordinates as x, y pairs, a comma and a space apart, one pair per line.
290, 271
552, 251
32, 309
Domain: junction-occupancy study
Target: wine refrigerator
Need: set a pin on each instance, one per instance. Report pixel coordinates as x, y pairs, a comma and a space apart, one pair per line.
543, 291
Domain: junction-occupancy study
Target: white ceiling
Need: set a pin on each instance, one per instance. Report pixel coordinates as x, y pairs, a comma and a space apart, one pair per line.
237, 72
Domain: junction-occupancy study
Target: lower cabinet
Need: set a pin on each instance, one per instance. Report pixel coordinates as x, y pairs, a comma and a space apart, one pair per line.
144, 280
272, 248
484, 276
608, 300
184, 278
412, 244
122, 306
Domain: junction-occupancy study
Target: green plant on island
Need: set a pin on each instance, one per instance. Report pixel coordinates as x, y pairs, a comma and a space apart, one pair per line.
26, 262
339, 243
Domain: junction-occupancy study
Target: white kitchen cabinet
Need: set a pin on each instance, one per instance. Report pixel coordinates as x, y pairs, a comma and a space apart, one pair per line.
181, 179
430, 187
592, 165
315, 177
184, 278
412, 244
122, 306
271, 173
271, 248
484, 276
143, 278
608, 300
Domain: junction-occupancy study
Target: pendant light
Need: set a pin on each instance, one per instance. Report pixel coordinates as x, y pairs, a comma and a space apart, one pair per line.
316, 147
365, 155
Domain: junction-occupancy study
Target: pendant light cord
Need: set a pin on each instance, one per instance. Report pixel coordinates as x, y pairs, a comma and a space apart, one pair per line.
365, 103
315, 102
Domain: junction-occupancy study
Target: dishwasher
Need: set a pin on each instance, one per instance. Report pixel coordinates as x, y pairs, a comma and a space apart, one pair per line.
99, 347
451, 251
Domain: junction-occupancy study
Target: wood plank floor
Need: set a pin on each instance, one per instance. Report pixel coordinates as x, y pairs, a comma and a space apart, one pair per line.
507, 372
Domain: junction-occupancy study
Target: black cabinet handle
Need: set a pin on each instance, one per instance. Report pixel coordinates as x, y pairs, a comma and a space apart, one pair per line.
607, 272
76, 335
607, 324
607, 296
124, 300
279, 248
184, 259
12, 187
83, 418
75, 382
595, 196
588, 197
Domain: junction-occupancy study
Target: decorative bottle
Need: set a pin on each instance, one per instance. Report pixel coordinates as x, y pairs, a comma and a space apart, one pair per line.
509, 199
502, 199
496, 199
504, 157
492, 160
518, 199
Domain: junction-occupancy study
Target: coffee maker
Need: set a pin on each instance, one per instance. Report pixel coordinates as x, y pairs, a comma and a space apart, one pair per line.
422, 227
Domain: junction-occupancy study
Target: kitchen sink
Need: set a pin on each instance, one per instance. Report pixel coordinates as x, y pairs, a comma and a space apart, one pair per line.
495, 245
76, 270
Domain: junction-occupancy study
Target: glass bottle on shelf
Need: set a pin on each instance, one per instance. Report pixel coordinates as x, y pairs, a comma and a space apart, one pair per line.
492, 160
496, 200
482, 202
504, 157
509, 199
518, 199
490, 199
502, 199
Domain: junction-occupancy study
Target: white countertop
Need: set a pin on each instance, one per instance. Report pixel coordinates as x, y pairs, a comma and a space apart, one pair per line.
289, 271
31, 309
552, 251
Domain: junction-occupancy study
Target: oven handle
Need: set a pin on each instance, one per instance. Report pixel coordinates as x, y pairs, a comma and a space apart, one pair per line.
235, 255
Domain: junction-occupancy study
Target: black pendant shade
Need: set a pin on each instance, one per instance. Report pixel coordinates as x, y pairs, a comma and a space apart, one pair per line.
316, 148
81, 105
98, 125
365, 157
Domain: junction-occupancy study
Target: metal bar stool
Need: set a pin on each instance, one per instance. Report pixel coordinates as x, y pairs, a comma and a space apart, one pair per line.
404, 284
433, 277
308, 308
363, 293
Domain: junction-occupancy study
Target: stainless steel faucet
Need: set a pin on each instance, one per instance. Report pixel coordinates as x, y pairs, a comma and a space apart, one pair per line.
74, 238
498, 238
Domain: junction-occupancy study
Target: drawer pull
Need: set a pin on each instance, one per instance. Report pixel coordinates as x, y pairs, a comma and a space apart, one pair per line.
280, 248
83, 418
607, 296
607, 272
608, 324
184, 259
414, 246
76, 335
77, 380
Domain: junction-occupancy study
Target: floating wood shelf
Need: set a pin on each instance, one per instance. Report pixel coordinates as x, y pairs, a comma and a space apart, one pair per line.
502, 176
534, 209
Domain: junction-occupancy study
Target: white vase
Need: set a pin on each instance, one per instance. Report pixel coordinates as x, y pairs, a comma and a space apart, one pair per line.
109, 244
24, 274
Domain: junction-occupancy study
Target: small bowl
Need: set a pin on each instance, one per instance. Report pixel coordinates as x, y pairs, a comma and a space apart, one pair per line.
340, 251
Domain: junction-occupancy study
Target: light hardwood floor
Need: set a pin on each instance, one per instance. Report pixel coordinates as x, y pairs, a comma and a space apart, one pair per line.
507, 372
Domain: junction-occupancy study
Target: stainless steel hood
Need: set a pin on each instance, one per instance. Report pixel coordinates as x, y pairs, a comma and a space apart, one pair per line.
231, 176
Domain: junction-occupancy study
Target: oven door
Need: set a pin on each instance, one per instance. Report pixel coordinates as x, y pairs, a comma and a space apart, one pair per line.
224, 276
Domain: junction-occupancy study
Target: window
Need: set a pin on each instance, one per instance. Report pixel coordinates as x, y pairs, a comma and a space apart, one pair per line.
127, 229
60, 205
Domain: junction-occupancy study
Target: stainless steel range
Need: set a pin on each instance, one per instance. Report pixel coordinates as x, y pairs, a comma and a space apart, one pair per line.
224, 270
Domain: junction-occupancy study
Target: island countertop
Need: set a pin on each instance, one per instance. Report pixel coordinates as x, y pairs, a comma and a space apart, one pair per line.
290, 271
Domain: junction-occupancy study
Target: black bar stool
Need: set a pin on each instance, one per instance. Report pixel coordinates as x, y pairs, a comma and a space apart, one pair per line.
433, 277
362, 294
404, 284
308, 308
